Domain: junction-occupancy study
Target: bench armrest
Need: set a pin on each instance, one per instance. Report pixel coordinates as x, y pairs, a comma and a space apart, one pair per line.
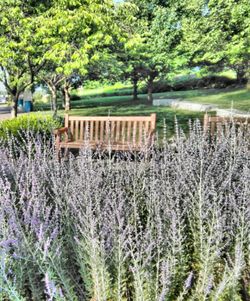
59, 133
152, 133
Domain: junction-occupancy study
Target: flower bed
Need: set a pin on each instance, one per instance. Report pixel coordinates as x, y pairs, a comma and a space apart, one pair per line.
172, 227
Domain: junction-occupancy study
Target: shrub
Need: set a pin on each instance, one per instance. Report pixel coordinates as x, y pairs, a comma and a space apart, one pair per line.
34, 124
217, 82
162, 86
172, 226
210, 81
190, 83
92, 84
75, 97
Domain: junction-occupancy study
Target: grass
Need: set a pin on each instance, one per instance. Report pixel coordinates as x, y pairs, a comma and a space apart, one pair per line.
164, 115
226, 98
93, 104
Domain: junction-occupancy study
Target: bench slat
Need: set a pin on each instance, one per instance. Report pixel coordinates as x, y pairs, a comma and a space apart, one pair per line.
81, 130
107, 131
128, 132
72, 128
77, 130
102, 130
140, 131
96, 130
123, 131
117, 130
91, 136
86, 130
147, 127
134, 132
112, 130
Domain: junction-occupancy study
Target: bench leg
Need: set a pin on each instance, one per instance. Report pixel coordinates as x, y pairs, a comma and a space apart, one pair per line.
66, 152
58, 153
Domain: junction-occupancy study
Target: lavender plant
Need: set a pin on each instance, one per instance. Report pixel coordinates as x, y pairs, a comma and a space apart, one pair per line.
172, 225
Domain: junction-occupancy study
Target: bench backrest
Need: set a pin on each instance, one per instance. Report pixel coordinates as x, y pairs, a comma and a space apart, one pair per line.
214, 123
115, 129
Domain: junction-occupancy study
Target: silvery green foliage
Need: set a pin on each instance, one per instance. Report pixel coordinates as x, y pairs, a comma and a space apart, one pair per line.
172, 225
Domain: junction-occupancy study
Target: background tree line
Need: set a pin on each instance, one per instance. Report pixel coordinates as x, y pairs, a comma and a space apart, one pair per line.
62, 43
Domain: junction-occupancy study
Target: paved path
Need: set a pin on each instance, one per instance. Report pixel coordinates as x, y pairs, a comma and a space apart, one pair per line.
4, 109
198, 107
5, 112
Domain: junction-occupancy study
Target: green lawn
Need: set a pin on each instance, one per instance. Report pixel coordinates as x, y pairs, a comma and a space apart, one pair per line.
123, 105
238, 98
224, 98
164, 115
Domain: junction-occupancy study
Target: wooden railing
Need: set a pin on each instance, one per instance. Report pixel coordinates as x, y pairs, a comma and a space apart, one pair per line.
216, 124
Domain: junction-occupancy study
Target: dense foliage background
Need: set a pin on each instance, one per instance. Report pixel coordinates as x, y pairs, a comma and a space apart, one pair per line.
63, 44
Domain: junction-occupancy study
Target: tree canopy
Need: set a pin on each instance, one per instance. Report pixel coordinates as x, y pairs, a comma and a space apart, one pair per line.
53, 40
22, 53
57, 42
218, 33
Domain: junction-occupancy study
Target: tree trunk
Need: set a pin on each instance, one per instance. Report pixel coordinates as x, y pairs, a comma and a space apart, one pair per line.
63, 95
248, 78
135, 88
53, 90
54, 102
67, 102
150, 90
14, 105
248, 84
241, 76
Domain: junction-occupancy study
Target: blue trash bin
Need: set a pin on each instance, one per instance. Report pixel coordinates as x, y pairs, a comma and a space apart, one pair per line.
20, 102
27, 106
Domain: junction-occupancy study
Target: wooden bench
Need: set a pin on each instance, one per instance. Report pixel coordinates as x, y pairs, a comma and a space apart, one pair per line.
124, 133
216, 124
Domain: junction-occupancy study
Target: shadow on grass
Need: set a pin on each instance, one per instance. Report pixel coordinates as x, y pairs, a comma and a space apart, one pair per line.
125, 91
95, 102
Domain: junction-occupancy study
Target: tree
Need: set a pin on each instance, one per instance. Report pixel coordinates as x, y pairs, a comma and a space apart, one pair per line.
57, 36
80, 31
218, 33
153, 47
143, 64
21, 56
53, 81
